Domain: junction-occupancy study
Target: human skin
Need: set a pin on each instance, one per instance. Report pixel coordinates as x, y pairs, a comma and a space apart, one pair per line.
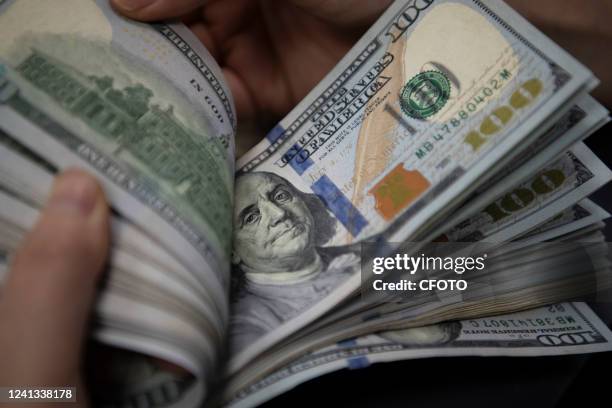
47, 297
273, 52
581, 27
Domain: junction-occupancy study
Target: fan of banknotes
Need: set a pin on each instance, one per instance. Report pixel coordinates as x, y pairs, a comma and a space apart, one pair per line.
231, 281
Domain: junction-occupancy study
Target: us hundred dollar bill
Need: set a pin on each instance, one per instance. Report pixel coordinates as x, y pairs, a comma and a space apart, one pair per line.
559, 185
560, 329
28, 177
579, 122
141, 106
578, 216
434, 99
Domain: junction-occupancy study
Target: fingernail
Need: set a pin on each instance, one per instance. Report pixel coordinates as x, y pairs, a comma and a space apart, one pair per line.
131, 5
75, 192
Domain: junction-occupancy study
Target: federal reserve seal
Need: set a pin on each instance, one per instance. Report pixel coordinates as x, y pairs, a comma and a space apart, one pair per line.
425, 94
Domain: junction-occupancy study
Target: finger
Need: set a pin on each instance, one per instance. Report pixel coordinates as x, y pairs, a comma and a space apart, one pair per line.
51, 286
350, 13
243, 100
201, 31
150, 10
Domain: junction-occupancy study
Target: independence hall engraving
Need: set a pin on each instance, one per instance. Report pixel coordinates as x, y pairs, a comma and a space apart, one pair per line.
155, 136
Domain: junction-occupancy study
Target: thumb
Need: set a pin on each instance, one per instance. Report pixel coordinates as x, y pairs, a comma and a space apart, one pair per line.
345, 13
151, 10
49, 292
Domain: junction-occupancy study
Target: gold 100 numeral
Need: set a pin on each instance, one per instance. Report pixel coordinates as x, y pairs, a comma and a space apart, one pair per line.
497, 119
521, 197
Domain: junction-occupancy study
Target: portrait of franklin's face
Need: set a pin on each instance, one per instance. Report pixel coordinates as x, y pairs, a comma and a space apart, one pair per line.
273, 226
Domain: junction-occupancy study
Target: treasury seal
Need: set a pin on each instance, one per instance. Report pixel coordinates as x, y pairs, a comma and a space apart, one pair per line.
425, 94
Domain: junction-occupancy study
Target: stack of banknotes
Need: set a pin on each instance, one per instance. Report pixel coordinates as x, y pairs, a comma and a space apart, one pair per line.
231, 281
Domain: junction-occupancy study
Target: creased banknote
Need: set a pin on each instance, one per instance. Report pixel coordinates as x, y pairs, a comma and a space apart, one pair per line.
433, 100
142, 107
560, 329
570, 178
578, 216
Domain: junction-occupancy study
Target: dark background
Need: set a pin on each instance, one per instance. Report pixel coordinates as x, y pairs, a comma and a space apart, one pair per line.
475, 382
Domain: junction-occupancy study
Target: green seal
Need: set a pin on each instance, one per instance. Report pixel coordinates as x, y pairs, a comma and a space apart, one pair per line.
425, 94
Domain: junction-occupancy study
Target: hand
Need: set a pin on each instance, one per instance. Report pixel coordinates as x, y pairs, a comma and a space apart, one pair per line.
46, 301
272, 52
581, 27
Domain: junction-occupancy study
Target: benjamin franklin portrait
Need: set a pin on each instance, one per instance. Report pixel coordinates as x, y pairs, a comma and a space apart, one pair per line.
280, 264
